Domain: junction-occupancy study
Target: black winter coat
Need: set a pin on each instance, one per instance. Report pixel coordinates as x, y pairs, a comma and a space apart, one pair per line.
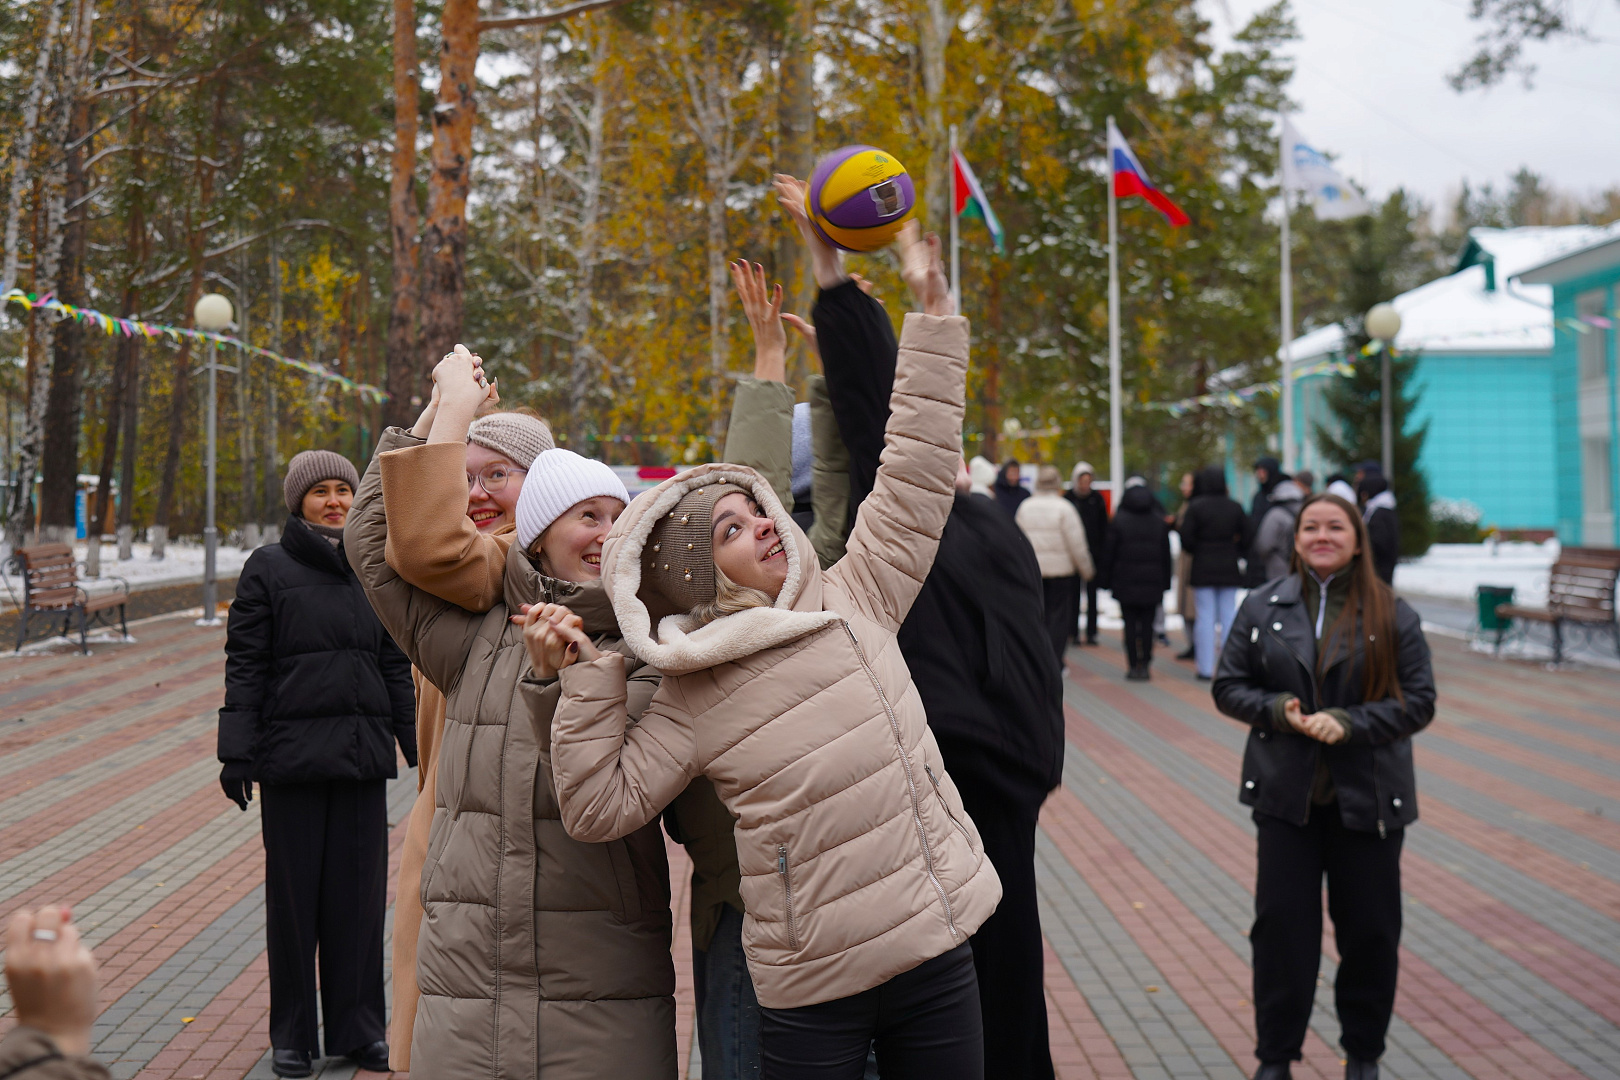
1216, 533
1136, 563
1093, 517
1271, 651
315, 689
975, 638
1384, 537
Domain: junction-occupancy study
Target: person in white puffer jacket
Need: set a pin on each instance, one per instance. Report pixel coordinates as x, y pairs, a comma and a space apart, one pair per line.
1055, 532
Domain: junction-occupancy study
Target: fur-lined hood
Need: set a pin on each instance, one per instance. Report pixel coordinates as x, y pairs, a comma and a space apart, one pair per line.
675, 648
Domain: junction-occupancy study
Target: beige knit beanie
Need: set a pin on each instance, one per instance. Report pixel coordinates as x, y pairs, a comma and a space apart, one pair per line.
680, 552
515, 436
308, 468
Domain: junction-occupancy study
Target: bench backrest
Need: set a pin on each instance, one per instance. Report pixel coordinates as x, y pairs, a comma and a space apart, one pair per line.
50, 578
1582, 584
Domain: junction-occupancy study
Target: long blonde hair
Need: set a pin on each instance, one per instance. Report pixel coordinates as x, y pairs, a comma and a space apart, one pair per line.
729, 598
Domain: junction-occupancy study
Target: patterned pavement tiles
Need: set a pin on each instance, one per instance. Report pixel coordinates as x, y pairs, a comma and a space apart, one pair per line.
1511, 957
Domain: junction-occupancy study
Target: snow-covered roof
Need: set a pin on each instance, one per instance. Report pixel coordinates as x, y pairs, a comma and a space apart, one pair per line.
1458, 314
1602, 250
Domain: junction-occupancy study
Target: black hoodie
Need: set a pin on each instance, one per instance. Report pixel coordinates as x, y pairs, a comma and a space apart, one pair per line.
1136, 563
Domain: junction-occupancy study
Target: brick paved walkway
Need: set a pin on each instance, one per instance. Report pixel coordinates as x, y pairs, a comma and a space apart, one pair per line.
1511, 958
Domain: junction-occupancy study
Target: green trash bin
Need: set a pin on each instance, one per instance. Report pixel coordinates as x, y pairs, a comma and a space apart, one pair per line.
1489, 598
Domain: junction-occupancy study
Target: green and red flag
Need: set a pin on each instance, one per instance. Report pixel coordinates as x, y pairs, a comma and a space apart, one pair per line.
970, 199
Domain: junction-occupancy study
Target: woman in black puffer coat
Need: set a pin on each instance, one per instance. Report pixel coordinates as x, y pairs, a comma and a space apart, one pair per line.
1331, 672
1217, 533
1136, 567
316, 697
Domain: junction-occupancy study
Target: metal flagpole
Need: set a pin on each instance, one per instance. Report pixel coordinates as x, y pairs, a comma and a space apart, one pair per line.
956, 237
1288, 461
1116, 437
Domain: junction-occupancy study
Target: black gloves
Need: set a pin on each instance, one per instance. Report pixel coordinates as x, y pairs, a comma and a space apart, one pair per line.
233, 777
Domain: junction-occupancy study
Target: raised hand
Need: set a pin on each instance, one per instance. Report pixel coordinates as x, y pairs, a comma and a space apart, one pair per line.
52, 977
924, 271
826, 261
762, 304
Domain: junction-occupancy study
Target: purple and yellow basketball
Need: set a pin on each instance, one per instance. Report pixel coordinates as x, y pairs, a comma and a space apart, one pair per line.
859, 197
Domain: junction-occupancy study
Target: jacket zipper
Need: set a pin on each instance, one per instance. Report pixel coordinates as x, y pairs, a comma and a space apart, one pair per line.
787, 891
1316, 701
937, 791
911, 780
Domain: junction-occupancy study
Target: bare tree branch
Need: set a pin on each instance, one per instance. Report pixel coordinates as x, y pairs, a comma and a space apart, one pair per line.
510, 22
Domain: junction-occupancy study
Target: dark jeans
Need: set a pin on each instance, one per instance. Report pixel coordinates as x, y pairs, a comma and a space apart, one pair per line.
1364, 899
1090, 589
727, 1010
1007, 951
925, 1023
325, 882
1062, 599
1138, 633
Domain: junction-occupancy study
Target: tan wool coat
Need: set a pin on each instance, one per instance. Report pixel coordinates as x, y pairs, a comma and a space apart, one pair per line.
858, 861
448, 557
1053, 527
538, 955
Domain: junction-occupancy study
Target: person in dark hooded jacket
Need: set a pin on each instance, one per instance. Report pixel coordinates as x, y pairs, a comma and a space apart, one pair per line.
1383, 526
1218, 534
980, 659
1009, 492
1138, 569
316, 697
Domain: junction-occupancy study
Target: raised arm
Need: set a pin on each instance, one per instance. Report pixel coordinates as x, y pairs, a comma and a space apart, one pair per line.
896, 534
435, 634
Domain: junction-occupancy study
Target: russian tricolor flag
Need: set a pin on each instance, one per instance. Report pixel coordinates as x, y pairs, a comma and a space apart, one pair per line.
1131, 179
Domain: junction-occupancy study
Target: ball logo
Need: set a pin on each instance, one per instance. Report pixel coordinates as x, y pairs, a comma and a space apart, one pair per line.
887, 197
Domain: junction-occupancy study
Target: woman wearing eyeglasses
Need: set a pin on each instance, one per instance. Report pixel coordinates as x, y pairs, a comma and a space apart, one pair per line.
461, 561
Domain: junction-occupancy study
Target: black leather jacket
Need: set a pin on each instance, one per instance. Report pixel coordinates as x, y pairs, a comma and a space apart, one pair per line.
1271, 651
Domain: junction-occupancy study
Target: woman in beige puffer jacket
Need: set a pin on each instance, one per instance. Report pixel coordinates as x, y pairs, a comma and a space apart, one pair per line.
1052, 525
862, 875
539, 955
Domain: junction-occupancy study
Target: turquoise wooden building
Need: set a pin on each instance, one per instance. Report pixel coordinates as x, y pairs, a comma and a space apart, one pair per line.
1500, 383
1585, 284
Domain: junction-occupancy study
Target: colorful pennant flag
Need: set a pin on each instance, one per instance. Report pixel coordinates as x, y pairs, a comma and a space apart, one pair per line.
1131, 179
971, 201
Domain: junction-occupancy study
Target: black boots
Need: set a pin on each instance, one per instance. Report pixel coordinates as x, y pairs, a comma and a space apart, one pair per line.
291, 1064
373, 1058
1360, 1070
1138, 673
1274, 1070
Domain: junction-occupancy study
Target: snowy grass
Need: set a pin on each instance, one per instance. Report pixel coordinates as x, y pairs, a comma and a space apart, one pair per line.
1455, 571
181, 565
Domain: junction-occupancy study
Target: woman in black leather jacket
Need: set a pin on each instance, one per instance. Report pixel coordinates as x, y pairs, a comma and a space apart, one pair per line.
1332, 673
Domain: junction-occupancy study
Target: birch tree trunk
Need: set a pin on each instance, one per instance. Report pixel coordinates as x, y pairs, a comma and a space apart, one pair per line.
796, 122
273, 500
583, 359
933, 35
404, 362
24, 150
444, 241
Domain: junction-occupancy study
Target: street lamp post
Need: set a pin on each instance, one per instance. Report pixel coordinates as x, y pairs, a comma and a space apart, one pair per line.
1383, 323
213, 312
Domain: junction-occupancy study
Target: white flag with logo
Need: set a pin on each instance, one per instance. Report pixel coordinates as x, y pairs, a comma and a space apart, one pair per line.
1305, 169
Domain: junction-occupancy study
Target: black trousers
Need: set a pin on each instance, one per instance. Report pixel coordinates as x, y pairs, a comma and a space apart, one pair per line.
1090, 589
1062, 605
325, 892
1138, 633
924, 1023
1007, 950
1364, 899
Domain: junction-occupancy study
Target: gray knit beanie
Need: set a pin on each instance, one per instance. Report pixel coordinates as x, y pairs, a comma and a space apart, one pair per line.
515, 436
308, 468
680, 551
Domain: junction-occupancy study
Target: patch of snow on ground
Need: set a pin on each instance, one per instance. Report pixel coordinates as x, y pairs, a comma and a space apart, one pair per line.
182, 564
1455, 571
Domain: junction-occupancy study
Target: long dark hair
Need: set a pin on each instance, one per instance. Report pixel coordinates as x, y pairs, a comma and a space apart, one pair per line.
1370, 597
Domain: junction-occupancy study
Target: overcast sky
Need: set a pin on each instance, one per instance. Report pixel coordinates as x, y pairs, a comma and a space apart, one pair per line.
1371, 88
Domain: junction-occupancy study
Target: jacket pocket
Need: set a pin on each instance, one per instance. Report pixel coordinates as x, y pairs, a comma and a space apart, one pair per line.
787, 895
939, 793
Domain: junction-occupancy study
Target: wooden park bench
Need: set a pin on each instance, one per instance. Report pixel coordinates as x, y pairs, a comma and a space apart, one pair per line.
1580, 593
51, 590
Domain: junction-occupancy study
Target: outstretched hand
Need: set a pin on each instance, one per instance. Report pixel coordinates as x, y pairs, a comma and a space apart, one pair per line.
924, 271
826, 261
762, 304
554, 637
